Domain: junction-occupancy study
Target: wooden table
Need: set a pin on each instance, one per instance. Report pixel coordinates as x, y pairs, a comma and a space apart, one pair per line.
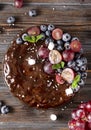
73, 16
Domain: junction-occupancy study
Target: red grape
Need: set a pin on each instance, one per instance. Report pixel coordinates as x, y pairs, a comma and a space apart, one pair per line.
73, 115
82, 117
68, 55
72, 124
82, 105
88, 106
80, 123
55, 57
75, 46
18, 3
89, 117
57, 33
59, 79
43, 52
68, 75
48, 68
33, 31
89, 126
80, 113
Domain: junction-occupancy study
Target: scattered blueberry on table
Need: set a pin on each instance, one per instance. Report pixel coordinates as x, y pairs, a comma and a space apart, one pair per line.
4, 109
11, 20
32, 13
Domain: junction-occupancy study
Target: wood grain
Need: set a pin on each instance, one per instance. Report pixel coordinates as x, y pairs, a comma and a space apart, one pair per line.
72, 16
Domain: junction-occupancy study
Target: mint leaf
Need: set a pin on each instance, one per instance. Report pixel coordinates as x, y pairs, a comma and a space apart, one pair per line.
33, 39
59, 65
77, 78
56, 66
39, 37
75, 81
30, 39
62, 64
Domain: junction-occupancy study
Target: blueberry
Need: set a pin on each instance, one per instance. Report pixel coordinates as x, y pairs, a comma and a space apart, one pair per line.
84, 60
43, 28
66, 37
19, 40
67, 46
79, 62
43, 36
5, 109
48, 33
84, 75
83, 68
32, 12
76, 68
51, 27
81, 82
48, 40
60, 48
11, 20
60, 42
71, 64
75, 38
24, 35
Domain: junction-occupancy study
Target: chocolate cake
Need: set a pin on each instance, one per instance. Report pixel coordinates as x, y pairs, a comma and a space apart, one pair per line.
45, 67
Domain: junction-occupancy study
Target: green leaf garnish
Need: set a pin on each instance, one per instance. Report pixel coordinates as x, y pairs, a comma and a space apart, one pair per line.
75, 81
30, 39
56, 66
33, 39
39, 37
62, 64
59, 65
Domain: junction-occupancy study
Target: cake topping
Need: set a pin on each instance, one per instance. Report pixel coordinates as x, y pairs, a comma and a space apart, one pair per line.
68, 55
75, 46
68, 75
51, 46
69, 91
31, 61
59, 79
33, 31
66, 37
55, 57
57, 34
43, 52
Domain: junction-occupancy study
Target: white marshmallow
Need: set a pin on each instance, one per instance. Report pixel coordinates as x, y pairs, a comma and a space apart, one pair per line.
31, 61
53, 117
51, 46
69, 91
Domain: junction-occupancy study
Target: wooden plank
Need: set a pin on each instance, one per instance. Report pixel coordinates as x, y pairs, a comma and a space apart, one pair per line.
49, 1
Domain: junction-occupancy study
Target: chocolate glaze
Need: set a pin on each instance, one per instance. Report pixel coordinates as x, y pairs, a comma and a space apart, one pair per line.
30, 83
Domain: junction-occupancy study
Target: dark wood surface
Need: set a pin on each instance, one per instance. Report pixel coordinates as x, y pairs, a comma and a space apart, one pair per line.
73, 16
